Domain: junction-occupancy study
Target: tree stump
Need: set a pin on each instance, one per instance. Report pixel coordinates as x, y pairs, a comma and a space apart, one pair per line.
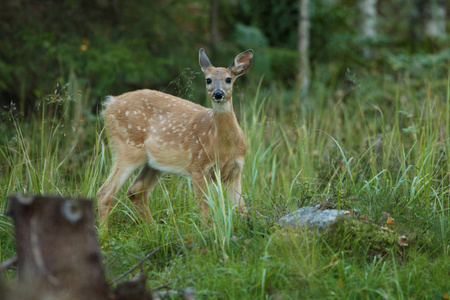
57, 247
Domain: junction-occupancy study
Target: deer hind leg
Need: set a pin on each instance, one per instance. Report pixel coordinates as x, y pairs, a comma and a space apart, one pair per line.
140, 189
109, 189
123, 167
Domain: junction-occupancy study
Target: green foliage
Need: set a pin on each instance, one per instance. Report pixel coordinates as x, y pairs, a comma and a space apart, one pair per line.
283, 17
371, 135
110, 47
368, 149
348, 232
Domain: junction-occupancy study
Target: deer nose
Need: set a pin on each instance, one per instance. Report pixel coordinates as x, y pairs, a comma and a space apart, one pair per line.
218, 95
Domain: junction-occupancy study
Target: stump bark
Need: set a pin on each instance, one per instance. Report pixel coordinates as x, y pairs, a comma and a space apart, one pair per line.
58, 256
57, 247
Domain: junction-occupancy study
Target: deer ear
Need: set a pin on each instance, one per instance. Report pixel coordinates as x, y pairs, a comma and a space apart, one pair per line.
203, 60
242, 63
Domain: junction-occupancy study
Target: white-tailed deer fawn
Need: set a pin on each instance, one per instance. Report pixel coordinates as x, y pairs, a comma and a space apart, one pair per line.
163, 133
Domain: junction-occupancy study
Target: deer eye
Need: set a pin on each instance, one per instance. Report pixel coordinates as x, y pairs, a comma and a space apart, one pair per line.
228, 80
208, 81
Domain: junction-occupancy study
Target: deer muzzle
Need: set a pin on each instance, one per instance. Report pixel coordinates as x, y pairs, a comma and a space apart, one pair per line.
218, 95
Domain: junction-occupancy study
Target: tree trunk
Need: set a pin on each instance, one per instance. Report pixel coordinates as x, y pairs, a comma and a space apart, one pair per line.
58, 256
368, 10
303, 46
435, 16
57, 247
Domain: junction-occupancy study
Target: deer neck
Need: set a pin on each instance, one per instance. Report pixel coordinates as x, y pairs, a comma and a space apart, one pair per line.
227, 129
223, 108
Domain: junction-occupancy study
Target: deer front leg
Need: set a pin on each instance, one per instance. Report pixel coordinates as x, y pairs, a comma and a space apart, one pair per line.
140, 189
199, 191
234, 191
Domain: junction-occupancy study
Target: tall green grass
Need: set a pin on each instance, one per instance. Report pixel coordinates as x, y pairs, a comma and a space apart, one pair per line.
382, 148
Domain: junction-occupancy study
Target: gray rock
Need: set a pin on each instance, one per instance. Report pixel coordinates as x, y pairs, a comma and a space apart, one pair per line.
310, 217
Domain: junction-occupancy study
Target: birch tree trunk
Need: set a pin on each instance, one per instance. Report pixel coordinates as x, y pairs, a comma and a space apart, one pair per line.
435, 16
368, 10
303, 46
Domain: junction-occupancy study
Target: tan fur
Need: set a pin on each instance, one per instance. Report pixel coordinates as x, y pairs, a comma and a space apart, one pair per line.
164, 133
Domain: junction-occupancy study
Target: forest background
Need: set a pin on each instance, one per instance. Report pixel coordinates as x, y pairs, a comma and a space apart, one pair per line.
111, 47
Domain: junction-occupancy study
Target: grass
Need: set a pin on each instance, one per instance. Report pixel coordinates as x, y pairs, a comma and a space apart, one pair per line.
381, 147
